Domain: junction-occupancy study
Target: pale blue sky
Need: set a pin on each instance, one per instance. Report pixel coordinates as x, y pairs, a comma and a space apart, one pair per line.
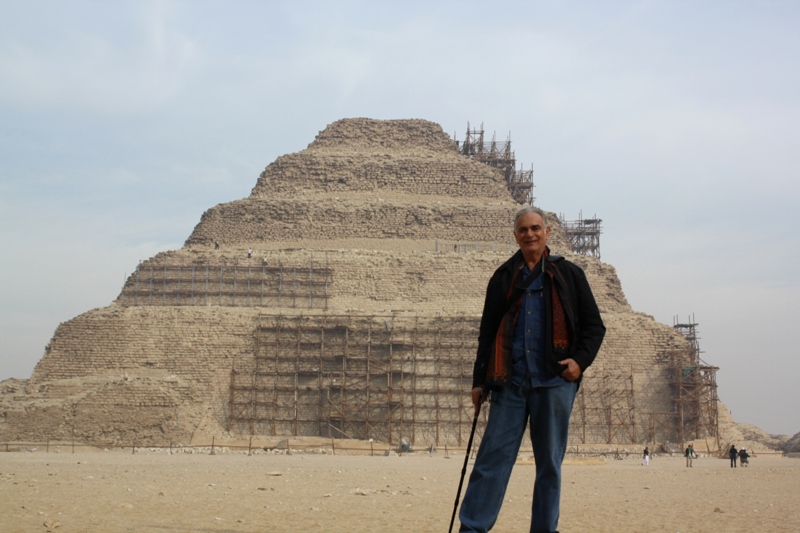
675, 122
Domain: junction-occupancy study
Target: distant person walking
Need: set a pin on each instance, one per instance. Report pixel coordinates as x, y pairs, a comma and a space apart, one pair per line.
733, 454
249, 252
646, 456
690, 454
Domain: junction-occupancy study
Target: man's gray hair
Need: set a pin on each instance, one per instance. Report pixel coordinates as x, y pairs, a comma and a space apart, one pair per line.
530, 209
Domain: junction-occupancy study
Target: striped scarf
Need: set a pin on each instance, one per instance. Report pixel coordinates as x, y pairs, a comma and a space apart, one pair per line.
499, 371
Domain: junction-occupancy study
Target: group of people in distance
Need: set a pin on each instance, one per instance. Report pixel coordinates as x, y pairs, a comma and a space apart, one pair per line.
690, 454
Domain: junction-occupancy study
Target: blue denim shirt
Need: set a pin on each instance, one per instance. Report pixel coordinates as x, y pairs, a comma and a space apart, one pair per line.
528, 348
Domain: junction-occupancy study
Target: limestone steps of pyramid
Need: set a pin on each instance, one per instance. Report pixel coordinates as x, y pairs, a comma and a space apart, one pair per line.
427, 173
250, 221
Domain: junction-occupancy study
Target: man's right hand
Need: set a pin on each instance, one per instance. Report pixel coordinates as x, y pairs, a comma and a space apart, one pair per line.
479, 395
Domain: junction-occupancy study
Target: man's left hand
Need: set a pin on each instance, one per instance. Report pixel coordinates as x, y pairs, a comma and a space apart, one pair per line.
573, 370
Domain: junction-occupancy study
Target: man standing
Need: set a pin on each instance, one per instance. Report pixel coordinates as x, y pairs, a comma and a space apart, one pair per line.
540, 330
733, 454
689, 453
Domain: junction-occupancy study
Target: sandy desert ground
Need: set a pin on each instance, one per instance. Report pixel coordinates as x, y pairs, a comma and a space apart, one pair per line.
118, 491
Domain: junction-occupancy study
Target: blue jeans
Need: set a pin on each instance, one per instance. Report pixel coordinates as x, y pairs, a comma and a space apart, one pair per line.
548, 409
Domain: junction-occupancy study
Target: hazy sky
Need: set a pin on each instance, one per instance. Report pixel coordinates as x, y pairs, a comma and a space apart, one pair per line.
677, 123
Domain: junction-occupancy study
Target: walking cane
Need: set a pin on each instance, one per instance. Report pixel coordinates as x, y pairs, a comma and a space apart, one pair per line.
464, 470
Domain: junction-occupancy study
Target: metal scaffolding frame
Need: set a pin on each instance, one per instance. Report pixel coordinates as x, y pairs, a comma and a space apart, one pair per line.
604, 410
500, 156
583, 234
387, 377
695, 386
235, 283
660, 426
361, 377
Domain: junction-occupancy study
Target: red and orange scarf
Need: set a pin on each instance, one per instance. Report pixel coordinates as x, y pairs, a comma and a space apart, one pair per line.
500, 360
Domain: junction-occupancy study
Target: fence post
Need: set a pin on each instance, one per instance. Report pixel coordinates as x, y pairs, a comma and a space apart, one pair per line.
212, 445
250, 445
333, 446
47, 449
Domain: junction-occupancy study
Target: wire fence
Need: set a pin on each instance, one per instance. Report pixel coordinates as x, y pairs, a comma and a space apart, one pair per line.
289, 446
465, 247
286, 446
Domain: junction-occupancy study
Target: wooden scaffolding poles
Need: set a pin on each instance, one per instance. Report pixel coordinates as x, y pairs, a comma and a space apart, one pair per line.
500, 156
387, 377
362, 377
695, 385
583, 234
248, 283
604, 410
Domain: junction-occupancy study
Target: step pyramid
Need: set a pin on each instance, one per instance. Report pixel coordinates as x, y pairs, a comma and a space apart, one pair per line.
340, 299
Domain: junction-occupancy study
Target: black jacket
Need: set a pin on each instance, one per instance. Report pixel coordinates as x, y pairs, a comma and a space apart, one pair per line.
586, 329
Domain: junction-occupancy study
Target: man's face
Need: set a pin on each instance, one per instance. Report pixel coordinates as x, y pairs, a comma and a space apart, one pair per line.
531, 234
